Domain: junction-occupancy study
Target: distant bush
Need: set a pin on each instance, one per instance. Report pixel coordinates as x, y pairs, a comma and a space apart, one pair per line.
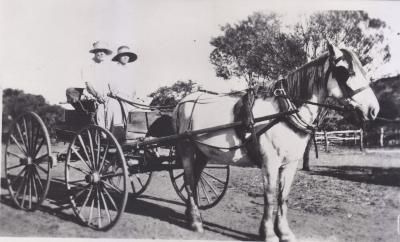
16, 102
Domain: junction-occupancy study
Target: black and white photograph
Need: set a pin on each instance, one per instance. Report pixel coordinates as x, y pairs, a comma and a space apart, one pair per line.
208, 120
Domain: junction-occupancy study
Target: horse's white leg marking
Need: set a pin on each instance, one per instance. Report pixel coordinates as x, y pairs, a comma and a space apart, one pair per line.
187, 154
286, 177
269, 169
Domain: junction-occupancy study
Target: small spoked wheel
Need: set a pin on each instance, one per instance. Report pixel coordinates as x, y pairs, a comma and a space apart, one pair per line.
139, 182
28, 161
96, 177
211, 187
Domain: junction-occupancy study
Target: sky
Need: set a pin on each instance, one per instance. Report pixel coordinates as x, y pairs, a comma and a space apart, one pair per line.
45, 43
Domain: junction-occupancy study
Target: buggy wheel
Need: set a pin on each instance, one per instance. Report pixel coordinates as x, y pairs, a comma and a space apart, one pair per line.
28, 161
96, 177
211, 187
140, 182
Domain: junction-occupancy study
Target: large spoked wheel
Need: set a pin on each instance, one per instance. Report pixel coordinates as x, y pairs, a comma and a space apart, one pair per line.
28, 161
211, 187
96, 177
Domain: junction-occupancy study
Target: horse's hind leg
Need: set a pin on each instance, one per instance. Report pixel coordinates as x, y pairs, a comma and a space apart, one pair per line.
286, 177
186, 151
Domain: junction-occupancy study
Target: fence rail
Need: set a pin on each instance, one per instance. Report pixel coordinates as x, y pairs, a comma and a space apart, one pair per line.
339, 137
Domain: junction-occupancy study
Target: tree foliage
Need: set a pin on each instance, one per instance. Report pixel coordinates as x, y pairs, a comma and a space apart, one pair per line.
354, 29
256, 48
170, 95
15, 102
260, 48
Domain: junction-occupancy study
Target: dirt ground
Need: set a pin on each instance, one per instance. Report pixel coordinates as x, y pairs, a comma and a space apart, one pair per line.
347, 196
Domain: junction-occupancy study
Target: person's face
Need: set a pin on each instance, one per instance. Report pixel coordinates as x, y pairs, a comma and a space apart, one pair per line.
124, 59
99, 56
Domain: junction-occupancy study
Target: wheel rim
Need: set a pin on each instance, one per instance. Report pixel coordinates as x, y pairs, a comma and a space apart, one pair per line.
28, 161
211, 187
96, 178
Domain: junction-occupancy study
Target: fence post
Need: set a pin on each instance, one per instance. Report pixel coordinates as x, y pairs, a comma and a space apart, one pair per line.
326, 141
381, 137
361, 139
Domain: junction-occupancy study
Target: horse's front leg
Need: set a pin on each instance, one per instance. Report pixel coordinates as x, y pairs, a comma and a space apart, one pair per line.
187, 155
286, 177
269, 169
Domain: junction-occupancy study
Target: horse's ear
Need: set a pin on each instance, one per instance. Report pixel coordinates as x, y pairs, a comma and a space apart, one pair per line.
334, 52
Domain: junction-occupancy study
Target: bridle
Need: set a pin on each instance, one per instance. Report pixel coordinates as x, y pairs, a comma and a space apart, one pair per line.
342, 75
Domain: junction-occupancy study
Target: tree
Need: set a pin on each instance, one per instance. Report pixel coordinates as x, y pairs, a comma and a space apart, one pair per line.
354, 29
256, 48
170, 95
260, 48
15, 102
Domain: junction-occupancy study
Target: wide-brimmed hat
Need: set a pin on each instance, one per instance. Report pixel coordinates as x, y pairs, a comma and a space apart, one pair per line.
100, 46
124, 50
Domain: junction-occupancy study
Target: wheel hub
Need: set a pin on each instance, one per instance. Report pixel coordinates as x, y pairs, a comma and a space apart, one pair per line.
26, 161
93, 178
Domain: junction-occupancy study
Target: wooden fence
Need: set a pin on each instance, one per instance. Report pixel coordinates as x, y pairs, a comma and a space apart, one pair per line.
340, 137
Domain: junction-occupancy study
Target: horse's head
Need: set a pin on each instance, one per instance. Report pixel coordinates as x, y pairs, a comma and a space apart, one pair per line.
348, 81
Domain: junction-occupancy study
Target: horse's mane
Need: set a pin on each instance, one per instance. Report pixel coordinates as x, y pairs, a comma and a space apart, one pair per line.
301, 82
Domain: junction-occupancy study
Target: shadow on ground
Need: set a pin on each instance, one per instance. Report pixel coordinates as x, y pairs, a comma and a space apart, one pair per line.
57, 204
365, 174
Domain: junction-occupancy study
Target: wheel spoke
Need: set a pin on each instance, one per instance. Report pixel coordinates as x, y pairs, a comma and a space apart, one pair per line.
80, 192
139, 180
98, 208
91, 150
34, 143
16, 155
180, 175
111, 175
20, 186
40, 168
76, 181
210, 185
39, 159
39, 178
204, 191
91, 211
39, 147
34, 187
104, 158
213, 177
98, 149
18, 144
24, 196
30, 190
21, 136
111, 199
27, 145
182, 187
86, 200
112, 186
80, 157
105, 206
18, 176
13, 167
78, 169
84, 149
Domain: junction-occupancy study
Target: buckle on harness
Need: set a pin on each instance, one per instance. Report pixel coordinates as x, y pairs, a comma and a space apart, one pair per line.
279, 92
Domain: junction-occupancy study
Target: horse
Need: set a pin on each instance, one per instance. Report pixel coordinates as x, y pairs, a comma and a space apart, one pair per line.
337, 73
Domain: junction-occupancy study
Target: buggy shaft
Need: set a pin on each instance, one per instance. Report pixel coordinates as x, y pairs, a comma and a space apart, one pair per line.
189, 134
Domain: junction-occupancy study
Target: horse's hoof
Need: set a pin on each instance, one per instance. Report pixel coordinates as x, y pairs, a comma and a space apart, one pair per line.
268, 238
197, 227
288, 238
